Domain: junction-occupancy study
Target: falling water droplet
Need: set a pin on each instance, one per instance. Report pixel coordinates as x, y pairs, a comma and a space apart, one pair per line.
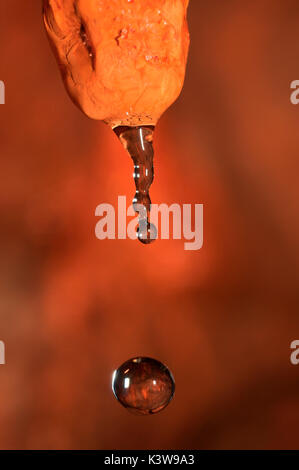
143, 385
138, 141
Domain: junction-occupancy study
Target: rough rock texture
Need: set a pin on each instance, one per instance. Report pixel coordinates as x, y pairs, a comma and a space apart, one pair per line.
122, 61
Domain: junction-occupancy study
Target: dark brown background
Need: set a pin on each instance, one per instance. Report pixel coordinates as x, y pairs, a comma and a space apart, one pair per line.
73, 308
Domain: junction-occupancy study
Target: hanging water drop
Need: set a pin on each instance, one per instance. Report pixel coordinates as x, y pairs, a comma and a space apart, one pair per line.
138, 141
143, 385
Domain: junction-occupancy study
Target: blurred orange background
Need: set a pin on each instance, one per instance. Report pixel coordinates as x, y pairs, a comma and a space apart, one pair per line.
73, 308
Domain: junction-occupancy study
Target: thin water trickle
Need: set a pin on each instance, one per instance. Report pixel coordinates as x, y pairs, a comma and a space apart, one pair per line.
138, 141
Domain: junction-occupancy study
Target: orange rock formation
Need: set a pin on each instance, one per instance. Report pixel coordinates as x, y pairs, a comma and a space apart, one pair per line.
122, 61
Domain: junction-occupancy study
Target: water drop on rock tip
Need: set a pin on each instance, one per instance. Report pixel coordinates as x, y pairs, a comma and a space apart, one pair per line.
138, 141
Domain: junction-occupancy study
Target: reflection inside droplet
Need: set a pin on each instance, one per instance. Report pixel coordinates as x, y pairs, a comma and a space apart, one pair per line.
143, 385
